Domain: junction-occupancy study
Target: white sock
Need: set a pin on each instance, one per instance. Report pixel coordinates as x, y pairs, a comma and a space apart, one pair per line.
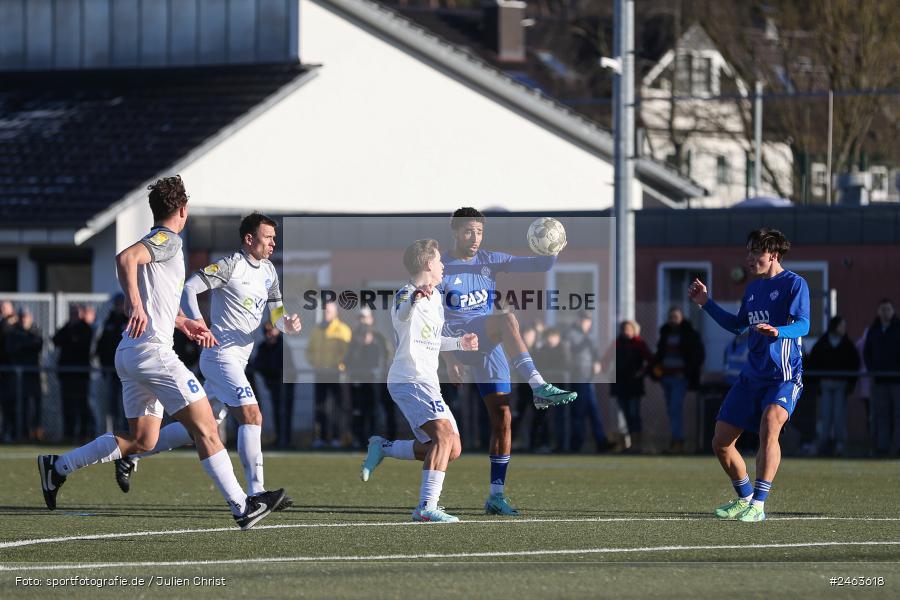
173, 435
103, 449
218, 467
249, 443
759, 503
536, 381
430, 492
748, 498
400, 449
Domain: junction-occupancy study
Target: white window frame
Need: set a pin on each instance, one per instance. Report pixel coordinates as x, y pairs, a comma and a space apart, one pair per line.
580, 267
817, 168
813, 265
880, 194
662, 307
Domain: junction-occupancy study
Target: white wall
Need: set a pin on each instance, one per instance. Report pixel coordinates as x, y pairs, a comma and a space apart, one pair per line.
379, 130
103, 266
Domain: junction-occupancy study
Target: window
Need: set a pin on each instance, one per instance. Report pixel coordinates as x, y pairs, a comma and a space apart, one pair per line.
693, 74
673, 280
683, 74
749, 171
816, 275
9, 275
819, 176
722, 177
581, 278
701, 75
880, 183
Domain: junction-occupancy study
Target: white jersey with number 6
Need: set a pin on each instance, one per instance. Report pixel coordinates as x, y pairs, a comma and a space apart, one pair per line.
153, 378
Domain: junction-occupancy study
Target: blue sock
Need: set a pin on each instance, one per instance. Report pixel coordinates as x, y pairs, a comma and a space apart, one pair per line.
499, 463
524, 366
743, 487
761, 491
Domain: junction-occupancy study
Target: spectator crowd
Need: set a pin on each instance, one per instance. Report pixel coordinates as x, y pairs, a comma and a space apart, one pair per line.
349, 362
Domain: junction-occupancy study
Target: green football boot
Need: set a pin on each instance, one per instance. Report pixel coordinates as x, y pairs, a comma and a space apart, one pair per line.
752, 514
731, 510
374, 456
498, 504
548, 395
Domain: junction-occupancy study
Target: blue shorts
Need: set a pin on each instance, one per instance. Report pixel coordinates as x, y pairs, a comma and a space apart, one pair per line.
747, 399
488, 366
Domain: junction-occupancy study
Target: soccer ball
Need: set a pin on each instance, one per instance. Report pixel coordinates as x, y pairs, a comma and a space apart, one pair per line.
546, 236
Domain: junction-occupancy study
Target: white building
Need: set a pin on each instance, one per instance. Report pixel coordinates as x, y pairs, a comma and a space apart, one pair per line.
694, 98
346, 107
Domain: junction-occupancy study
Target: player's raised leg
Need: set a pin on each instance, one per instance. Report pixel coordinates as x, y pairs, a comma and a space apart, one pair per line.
504, 328
54, 469
380, 448
172, 436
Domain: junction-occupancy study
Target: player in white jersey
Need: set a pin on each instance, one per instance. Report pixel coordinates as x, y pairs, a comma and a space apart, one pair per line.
151, 273
418, 318
242, 284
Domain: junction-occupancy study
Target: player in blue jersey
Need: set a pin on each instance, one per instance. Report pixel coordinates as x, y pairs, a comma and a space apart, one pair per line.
776, 309
469, 283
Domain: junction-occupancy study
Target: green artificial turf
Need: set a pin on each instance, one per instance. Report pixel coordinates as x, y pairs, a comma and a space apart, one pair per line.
590, 527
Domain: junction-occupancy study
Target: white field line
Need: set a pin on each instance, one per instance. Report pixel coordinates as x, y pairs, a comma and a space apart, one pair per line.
436, 556
164, 532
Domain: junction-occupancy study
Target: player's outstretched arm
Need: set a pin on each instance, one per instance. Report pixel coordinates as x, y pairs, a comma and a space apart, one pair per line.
127, 262
529, 264
698, 294
467, 343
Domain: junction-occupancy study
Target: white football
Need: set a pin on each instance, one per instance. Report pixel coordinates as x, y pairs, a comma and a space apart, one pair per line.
546, 236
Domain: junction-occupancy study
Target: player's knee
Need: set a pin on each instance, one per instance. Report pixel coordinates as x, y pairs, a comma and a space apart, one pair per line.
456, 451
250, 415
143, 444
720, 444
502, 416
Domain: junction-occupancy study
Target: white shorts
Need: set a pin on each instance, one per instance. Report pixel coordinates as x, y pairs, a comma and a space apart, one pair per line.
225, 381
154, 380
421, 403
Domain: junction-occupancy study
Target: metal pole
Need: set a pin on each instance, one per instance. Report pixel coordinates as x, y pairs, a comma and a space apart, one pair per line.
828, 167
757, 136
623, 94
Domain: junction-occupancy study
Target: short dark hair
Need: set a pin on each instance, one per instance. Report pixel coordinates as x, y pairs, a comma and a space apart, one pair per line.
417, 255
250, 224
885, 300
833, 323
770, 240
463, 215
167, 195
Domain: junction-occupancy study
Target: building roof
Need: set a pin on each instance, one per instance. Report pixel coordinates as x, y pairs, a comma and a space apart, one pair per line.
73, 143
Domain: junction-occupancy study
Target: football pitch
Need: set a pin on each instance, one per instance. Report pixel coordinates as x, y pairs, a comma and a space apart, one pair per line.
591, 526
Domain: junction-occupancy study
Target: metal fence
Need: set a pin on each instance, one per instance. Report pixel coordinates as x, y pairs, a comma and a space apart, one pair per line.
534, 431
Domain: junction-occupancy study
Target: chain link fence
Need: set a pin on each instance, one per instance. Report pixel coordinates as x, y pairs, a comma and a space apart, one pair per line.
32, 400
